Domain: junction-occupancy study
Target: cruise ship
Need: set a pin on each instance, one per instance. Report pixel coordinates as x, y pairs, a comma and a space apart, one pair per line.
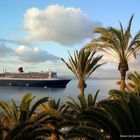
33, 79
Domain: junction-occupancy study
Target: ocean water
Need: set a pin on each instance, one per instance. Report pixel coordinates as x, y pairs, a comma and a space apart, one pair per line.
16, 93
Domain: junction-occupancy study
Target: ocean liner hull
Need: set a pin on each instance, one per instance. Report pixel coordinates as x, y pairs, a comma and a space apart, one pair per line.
34, 83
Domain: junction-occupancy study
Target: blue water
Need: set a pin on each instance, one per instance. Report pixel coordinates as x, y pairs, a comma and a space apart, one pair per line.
16, 93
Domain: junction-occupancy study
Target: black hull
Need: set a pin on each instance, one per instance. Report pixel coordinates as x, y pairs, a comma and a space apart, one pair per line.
34, 83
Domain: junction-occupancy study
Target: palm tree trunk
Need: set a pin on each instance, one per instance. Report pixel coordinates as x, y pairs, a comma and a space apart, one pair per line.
53, 137
81, 85
123, 68
122, 84
81, 92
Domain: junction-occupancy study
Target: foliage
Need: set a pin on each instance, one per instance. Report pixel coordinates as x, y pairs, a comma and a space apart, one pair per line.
1, 129
73, 128
15, 114
26, 119
53, 108
127, 107
84, 103
109, 120
118, 43
34, 130
134, 84
85, 119
83, 64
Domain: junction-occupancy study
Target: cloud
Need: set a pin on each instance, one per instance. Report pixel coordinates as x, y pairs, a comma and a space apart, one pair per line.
29, 54
64, 25
34, 55
111, 68
135, 64
4, 50
16, 41
25, 54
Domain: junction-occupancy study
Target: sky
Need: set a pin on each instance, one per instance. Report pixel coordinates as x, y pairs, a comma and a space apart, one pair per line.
35, 34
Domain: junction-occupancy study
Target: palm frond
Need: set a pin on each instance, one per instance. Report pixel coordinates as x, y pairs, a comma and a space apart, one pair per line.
39, 102
83, 102
26, 100
14, 110
5, 109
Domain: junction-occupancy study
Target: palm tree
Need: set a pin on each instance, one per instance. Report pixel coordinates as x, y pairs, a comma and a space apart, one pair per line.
84, 133
1, 129
120, 44
110, 119
92, 124
33, 130
83, 64
130, 103
134, 84
75, 108
53, 108
13, 114
27, 119
84, 103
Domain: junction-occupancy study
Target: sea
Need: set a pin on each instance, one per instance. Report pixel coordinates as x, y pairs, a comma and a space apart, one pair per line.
16, 93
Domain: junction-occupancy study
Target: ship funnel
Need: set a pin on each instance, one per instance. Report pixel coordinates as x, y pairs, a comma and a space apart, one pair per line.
20, 69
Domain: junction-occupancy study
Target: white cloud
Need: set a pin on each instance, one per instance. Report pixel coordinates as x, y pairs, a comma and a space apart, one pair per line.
110, 69
34, 55
4, 50
135, 64
64, 25
25, 54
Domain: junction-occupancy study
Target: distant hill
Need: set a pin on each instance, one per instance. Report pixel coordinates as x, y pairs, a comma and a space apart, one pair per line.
91, 78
